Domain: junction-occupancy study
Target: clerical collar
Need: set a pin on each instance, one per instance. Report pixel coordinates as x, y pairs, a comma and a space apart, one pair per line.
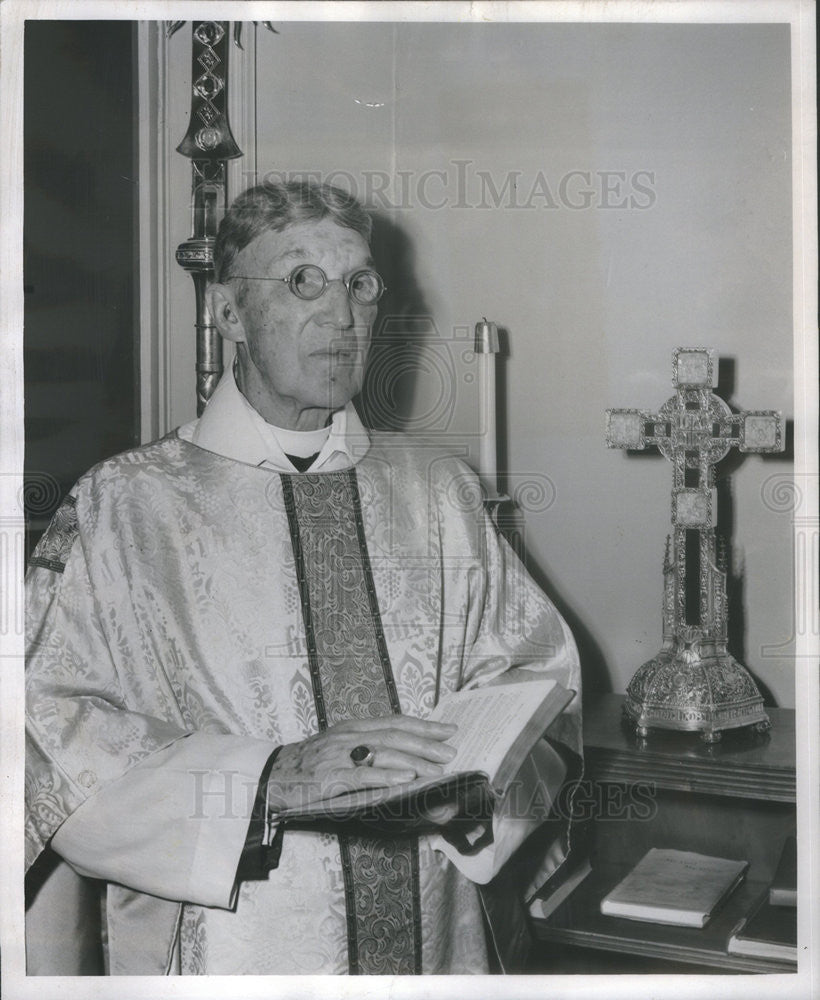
231, 427
301, 443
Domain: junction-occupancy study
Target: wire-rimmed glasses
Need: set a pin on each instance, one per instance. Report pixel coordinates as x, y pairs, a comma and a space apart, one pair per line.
308, 281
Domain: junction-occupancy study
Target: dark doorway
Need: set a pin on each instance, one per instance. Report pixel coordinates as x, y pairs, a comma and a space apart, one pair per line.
80, 233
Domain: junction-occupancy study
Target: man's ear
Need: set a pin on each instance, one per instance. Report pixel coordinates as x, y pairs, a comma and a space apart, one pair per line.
222, 305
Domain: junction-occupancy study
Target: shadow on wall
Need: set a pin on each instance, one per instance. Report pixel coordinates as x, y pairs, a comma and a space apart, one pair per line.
403, 329
594, 671
403, 343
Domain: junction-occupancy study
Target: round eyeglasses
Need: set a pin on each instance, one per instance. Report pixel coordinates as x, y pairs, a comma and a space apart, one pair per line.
308, 281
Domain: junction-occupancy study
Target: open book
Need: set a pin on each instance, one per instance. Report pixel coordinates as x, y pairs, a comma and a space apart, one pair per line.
498, 726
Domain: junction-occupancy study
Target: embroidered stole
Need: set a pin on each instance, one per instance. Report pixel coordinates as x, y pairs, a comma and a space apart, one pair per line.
352, 678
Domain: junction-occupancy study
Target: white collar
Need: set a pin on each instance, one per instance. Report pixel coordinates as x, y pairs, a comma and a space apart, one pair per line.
231, 427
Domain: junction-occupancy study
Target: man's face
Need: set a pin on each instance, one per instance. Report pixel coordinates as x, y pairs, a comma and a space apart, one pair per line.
301, 359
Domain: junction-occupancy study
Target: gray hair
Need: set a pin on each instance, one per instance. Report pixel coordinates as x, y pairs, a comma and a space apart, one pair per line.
272, 206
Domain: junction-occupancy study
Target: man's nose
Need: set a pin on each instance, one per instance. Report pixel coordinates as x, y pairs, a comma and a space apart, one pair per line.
337, 311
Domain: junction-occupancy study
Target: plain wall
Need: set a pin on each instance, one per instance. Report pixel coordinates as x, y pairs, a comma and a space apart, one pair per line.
651, 209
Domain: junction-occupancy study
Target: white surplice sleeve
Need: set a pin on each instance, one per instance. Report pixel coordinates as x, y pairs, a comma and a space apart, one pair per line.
126, 795
175, 824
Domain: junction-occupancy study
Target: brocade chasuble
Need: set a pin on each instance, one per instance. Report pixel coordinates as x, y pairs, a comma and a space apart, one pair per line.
351, 678
188, 613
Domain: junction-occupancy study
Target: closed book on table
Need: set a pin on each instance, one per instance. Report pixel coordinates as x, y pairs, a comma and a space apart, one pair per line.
565, 881
674, 887
766, 932
783, 890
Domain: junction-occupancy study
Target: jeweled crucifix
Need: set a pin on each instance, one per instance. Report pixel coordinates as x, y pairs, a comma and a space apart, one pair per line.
694, 683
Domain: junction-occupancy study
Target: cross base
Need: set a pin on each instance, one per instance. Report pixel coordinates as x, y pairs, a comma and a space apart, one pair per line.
689, 690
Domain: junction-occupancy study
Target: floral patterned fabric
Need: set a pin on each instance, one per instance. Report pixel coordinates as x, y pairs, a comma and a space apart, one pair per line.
176, 627
352, 678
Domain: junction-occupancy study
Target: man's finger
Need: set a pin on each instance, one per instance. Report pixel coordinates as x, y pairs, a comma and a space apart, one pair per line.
386, 740
417, 746
401, 723
397, 760
354, 780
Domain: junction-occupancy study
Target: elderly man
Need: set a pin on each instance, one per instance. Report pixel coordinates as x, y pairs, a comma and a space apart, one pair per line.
224, 622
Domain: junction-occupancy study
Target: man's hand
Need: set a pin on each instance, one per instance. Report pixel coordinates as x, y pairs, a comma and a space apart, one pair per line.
320, 766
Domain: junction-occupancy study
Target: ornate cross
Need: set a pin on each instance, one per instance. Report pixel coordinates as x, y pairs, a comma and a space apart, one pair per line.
694, 683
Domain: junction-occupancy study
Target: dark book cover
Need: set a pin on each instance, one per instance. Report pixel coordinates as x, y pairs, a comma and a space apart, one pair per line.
767, 931
783, 890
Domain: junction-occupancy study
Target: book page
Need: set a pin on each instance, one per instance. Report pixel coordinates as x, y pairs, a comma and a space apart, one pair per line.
489, 720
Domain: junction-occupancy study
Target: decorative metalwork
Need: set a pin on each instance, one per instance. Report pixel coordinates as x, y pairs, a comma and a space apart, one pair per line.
694, 683
174, 26
209, 134
209, 144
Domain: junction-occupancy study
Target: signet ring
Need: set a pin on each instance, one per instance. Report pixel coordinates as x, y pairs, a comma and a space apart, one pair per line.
363, 756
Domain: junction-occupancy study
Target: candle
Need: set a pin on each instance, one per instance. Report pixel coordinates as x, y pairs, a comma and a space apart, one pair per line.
486, 347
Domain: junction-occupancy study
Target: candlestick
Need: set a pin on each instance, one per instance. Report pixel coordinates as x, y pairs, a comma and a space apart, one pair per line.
486, 348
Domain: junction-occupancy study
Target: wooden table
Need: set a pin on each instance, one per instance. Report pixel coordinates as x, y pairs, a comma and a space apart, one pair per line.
733, 799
